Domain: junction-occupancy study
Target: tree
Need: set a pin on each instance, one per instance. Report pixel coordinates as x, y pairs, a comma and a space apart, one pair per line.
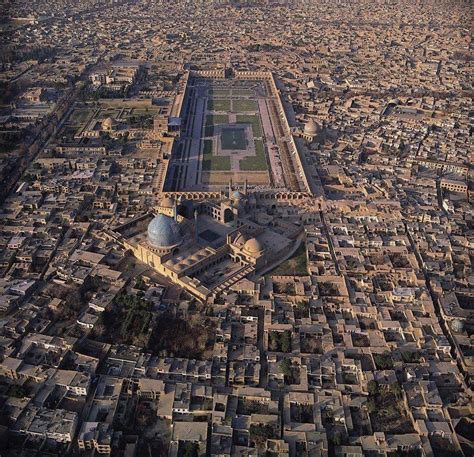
285, 341
337, 439
260, 433
190, 449
373, 388
392, 411
371, 405
285, 367
99, 329
384, 361
18, 391
273, 341
396, 389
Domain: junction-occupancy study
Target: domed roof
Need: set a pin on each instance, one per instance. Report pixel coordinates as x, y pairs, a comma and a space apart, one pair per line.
108, 123
167, 202
457, 325
163, 231
253, 246
311, 128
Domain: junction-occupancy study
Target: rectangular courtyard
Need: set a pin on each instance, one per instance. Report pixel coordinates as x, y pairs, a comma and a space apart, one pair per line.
229, 132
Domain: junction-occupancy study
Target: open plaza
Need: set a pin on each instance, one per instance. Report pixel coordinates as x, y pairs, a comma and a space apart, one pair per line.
233, 128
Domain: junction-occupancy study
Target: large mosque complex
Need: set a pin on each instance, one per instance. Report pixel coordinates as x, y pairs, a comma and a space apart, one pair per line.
233, 165
209, 245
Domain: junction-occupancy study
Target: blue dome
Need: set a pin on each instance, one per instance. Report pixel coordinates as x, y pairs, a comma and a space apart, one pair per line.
236, 195
163, 231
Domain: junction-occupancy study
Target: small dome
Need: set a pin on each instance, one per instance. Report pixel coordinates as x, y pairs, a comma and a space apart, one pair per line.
108, 124
167, 202
163, 231
457, 325
253, 246
311, 128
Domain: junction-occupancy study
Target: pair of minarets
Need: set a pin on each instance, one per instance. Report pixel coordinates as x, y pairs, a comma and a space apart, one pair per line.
230, 187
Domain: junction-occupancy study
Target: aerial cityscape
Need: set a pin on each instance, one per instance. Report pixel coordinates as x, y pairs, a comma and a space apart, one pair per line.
236, 228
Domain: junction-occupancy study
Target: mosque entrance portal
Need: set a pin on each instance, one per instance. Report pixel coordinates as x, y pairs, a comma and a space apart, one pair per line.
228, 216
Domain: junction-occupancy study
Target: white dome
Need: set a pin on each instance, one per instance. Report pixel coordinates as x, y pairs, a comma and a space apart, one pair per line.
108, 123
253, 246
311, 128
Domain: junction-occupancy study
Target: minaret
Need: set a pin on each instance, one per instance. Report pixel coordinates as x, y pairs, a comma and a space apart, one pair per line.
175, 210
230, 187
245, 186
195, 225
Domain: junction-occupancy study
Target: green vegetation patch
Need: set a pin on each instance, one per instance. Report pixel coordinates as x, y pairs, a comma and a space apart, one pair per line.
212, 162
244, 105
233, 138
216, 119
260, 433
78, 117
386, 409
383, 361
253, 120
212, 120
68, 132
208, 130
219, 92
214, 104
127, 322
243, 92
142, 121
279, 341
175, 337
295, 265
257, 162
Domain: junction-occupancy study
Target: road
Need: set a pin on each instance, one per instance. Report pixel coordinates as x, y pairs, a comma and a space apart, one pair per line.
30, 156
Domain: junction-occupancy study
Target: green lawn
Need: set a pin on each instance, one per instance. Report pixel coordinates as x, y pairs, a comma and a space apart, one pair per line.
218, 92
295, 265
256, 163
211, 162
243, 92
212, 120
244, 105
216, 119
214, 104
251, 119
233, 138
